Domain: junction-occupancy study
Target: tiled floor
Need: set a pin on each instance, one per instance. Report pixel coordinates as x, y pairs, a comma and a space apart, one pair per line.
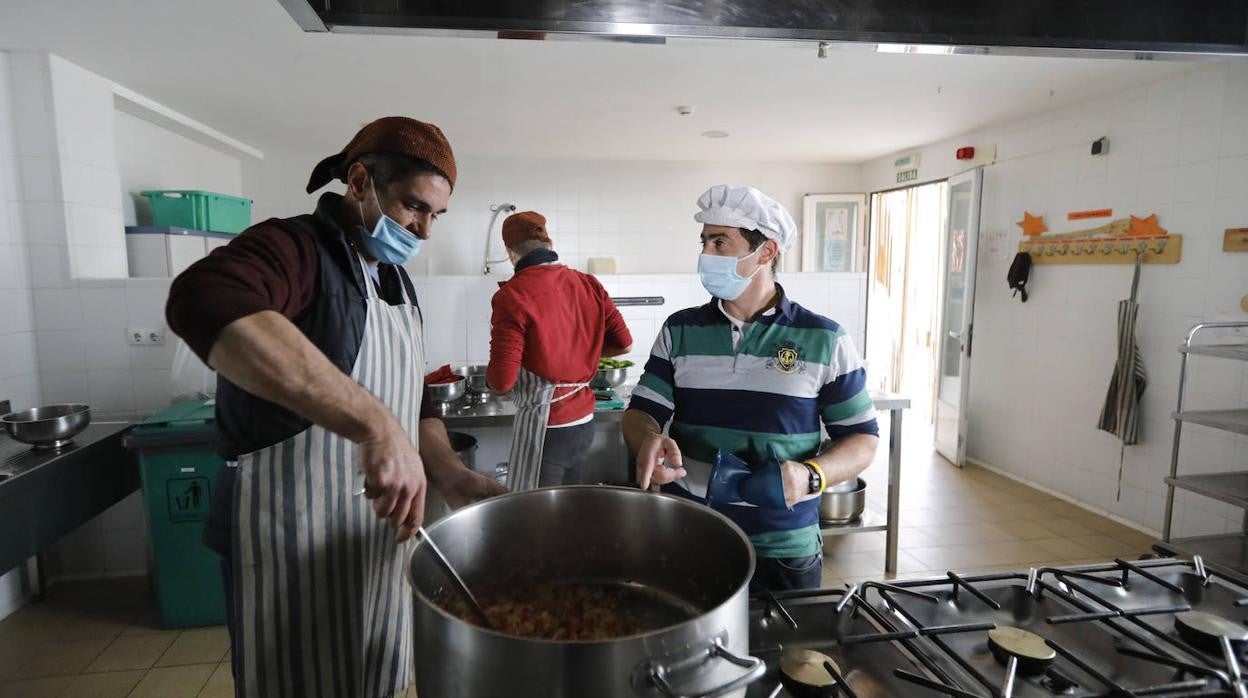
973, 520
101, 638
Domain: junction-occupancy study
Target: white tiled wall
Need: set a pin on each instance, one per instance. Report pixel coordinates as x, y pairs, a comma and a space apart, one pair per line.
76, 147
83, 353
457, 308
639, 212
19, 377
19, 381
1177, 148
84, 357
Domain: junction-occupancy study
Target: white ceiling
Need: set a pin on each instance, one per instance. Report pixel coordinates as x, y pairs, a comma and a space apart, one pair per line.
244, 68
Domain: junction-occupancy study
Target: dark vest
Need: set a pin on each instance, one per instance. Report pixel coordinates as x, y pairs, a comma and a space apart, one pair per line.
333, 321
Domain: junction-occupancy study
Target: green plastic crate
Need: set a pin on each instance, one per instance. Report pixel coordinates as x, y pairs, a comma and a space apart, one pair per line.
199, 210
178, 466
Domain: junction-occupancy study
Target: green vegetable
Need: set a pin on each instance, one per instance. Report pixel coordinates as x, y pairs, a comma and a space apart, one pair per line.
606, 364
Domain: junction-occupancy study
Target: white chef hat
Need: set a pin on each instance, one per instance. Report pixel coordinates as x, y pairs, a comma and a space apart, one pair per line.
746, 207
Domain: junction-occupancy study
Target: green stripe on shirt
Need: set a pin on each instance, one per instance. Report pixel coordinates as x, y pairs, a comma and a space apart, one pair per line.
656, 384
856, 405
799, 542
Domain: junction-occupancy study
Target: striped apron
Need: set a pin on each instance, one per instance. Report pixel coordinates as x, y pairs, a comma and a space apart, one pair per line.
532, 396
1120, 415
321, 605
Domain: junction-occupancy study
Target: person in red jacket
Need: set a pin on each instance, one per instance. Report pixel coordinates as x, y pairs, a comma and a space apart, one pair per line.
549, 327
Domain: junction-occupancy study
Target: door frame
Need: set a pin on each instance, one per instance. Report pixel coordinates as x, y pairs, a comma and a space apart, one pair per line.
956, 453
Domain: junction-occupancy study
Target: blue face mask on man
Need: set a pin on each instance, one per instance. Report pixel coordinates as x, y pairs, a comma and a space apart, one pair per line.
388, 241
719, 275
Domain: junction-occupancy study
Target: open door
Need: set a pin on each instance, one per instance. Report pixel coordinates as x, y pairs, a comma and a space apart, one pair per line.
956, 326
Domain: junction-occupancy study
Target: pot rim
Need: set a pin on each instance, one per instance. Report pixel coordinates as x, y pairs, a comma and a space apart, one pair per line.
749, 547
859, 486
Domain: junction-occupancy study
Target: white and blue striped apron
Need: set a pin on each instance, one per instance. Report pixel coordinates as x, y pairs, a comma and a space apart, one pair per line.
321, 602
532, 396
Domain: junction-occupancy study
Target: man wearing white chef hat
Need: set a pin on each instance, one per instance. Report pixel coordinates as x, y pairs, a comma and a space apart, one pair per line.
752, 373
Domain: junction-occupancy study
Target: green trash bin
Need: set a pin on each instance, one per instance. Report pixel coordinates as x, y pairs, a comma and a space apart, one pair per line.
178, 465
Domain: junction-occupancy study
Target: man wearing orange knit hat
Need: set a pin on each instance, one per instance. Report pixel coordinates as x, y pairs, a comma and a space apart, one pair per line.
549, 327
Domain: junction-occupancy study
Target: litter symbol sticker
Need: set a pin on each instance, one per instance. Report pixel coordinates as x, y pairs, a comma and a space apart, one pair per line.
188, 499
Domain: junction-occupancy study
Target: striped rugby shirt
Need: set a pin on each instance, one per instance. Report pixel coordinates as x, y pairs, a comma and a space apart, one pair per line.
790, 373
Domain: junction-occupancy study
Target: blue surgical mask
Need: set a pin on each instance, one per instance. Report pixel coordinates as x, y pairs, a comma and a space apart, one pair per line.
389, 242
719, 275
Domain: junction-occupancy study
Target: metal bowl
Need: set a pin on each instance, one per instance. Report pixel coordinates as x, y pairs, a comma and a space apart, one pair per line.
843, 505
608, 378
47, 427
475, 377
446, 392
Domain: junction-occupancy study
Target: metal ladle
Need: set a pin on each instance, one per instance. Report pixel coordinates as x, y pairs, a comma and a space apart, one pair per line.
456, 580
449, 571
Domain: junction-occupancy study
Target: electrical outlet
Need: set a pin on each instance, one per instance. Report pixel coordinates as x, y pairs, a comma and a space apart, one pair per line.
145, 337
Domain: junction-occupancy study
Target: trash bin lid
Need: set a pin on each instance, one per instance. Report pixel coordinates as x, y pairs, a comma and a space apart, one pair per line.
181, 424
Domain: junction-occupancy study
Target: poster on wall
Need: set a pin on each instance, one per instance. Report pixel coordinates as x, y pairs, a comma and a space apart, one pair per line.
835, 243
833, 232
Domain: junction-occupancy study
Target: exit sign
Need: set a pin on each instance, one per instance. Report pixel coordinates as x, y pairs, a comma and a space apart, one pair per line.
906, 161
909, 175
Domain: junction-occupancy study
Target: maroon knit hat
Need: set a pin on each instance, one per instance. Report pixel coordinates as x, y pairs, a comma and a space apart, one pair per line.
525, 226
389, 134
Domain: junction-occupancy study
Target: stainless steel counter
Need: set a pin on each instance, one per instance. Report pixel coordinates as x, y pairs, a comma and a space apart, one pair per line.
501, 411
18, 459
46, 494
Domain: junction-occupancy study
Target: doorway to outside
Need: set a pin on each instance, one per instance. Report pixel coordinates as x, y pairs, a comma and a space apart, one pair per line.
907, 229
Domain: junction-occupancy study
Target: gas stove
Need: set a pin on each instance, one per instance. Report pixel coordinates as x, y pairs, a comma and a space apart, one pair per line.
1147, 628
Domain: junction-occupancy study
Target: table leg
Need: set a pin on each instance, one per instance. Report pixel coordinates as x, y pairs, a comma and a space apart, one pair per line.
894, 491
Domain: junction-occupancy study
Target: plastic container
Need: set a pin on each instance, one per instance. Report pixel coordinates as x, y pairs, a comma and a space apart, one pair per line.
200, 210
178, 466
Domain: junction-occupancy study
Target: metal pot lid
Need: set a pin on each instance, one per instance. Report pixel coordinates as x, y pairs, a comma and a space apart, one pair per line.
806, 667
1211, 626
1021, 644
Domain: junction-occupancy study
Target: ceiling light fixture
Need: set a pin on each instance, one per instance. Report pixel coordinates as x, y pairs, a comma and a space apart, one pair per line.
715, 134
914, 48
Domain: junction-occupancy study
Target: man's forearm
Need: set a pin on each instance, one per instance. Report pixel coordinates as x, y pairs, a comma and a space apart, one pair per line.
637, 426
848, 457
441, 460
608, 350
266, 355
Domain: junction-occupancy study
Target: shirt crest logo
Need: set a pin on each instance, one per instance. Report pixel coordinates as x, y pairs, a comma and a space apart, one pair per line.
787, 360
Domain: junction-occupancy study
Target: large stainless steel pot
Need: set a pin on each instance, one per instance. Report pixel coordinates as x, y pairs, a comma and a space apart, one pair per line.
667, 545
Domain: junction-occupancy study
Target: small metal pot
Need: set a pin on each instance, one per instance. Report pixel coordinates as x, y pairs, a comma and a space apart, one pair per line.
53, 426
444, 393
843, 502
474, 377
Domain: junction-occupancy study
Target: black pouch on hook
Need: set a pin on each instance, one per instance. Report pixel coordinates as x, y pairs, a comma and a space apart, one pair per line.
1020, 271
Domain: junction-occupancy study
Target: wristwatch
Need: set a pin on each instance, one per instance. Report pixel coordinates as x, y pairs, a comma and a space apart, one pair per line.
816, 479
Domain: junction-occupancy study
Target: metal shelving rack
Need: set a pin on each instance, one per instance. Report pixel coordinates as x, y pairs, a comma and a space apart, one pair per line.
1228, 552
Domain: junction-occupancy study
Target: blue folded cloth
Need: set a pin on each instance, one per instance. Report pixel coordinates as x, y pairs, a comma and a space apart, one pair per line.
732, 481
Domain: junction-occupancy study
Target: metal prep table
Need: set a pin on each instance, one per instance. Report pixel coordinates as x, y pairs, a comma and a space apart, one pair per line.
502, 413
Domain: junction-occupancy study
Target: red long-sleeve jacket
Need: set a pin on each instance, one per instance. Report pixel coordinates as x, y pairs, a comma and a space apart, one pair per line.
555, 322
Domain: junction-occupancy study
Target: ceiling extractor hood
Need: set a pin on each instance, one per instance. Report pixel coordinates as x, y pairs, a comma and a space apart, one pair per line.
1135, 28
